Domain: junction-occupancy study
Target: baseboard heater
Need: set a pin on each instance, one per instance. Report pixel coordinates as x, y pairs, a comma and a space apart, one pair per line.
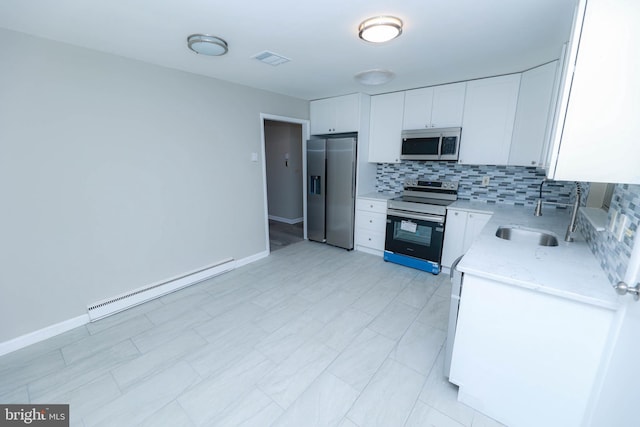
107, 307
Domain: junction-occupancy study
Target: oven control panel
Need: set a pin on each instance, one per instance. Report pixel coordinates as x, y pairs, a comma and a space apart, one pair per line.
436, 185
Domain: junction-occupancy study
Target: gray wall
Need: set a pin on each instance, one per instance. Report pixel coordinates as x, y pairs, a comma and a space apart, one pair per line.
284, 182
115, 174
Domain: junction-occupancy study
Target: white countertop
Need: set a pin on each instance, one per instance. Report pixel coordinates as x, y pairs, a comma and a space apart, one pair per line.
378, 196
569, 270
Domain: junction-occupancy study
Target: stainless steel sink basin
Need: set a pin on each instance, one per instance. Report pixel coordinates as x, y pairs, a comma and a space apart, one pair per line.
527, 235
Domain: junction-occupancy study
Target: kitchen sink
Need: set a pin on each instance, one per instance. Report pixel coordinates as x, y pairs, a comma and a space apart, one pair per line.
527, 235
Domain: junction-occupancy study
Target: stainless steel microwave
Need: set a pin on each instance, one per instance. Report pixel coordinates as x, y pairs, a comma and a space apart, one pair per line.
431, 144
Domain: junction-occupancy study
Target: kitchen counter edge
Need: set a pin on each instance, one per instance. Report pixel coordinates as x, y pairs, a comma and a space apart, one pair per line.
569, 270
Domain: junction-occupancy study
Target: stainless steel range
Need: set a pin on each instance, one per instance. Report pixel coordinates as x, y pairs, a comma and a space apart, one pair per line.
415, 223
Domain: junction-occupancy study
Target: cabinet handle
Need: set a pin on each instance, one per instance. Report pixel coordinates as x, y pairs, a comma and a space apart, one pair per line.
371, 206
455, 213
370, 221
369, 238
533, 162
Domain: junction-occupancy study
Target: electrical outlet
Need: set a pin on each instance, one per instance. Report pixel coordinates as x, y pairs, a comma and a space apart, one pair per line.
485, 181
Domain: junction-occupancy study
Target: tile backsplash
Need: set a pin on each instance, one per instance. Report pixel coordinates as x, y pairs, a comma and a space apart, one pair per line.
513, 185
519, 186
612, 255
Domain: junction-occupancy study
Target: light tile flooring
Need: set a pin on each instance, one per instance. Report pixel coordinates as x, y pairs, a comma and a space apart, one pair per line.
311, 335
282, 234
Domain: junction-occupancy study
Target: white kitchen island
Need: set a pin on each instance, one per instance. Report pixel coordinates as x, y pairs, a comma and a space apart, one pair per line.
533, 324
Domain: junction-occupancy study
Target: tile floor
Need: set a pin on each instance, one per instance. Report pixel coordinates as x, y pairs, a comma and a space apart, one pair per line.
312, 335
282, 234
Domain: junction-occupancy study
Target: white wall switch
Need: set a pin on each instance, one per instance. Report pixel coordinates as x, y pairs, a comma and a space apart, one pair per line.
254, 157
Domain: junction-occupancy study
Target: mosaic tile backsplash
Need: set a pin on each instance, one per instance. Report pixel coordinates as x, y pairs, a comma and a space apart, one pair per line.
513, 185
613, 255
520, 186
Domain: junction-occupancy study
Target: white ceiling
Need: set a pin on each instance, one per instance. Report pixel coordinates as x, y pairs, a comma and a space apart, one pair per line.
443, 40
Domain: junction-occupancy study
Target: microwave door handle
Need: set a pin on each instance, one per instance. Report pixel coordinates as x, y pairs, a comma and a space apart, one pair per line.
440, 147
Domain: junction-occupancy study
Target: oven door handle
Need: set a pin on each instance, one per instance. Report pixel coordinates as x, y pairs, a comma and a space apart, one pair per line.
404, 214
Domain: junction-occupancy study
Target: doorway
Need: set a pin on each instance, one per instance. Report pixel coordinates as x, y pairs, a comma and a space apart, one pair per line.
284, 170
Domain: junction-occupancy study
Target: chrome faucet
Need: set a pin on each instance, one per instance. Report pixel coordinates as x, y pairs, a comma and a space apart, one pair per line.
568, 237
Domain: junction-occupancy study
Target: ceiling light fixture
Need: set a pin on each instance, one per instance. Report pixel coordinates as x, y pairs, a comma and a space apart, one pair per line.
380, 29
207, 45
374, 77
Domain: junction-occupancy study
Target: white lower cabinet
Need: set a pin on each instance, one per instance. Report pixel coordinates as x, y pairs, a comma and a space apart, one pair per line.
527, 358
371, 217
461, 228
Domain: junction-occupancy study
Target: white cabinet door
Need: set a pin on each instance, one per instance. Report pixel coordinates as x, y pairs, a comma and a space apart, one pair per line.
371, 224
322, 116
335, 115
461, 229
532, 115
437, 106
386, 128
526, 358
453, 246
475, 223
347, 110
597, 128
417, 108
448, 105
487, 124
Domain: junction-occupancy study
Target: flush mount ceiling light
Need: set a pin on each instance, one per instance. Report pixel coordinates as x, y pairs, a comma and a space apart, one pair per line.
380, 29
374, 77
207, 45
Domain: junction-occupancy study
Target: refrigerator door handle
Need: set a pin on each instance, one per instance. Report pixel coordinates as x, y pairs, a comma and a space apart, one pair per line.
353, 173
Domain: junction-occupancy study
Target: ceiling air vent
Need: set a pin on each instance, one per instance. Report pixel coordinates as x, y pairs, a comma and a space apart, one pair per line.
271, 58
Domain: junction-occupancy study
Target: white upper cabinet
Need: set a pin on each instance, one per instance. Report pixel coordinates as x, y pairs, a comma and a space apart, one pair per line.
532, 115
437, 106
489, 114
335, 115
417, 108
386, 127
597, 127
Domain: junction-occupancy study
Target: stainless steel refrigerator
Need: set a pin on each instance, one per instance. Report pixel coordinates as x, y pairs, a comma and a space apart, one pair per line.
331, 183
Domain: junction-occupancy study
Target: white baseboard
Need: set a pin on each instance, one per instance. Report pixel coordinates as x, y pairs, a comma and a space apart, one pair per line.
174, 284
369, 250
286, 220
118, 303
42, 334
251, 258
